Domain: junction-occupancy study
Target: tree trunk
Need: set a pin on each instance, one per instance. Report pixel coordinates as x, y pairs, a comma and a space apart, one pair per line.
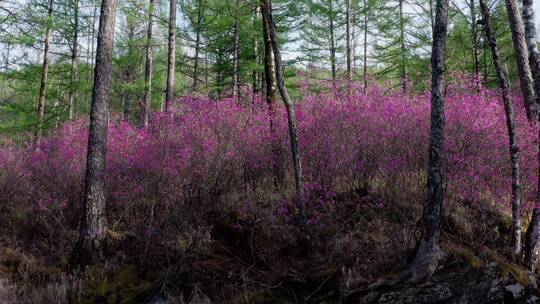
349, 39
403, 62
74, 53
255, 73
428, 251
511, 128
91, 244
129, 70
44, 73
169, 95
269, 70
366, 10
197, 46
291, 118
332, 43
236, 52
147, 102
532, 236
522, 58
474, 40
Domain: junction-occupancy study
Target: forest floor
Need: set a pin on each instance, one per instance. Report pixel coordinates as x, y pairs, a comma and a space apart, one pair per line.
236, 257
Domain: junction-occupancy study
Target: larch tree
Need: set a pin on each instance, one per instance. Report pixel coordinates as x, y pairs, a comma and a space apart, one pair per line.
349, 30
44, 71
428, 250
72, 95
91, 243
171, 59
532, 236
147, 101
236, 51
511, 128
291, 117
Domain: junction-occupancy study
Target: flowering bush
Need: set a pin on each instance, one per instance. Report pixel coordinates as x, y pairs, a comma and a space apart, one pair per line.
208, 149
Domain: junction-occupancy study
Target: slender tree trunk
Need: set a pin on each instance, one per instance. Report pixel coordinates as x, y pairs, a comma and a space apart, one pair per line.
196, 63
511, 128
200, 8
129, 70
428, 251
530, 38
44, 73
366, 10
236, 53
171, 65
349, 39
532, 236
269, 70
291, 118
206, 69
147, 102
74, 53
332, 42
255, 73
403, 59
91, 244
474, 40
93, 42
270, 94
522, 57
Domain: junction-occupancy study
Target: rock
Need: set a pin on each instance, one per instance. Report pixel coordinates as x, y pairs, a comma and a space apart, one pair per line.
532, 299
158, 299
514, 292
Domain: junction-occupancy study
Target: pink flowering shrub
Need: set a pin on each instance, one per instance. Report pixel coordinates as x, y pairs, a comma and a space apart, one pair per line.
208, 149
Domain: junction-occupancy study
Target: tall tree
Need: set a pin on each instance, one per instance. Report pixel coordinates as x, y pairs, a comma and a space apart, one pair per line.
171, 55
236, 50
291, 117
428, 250
74, 54
147, 101
403, 59
91, 243
511, 128
532, 236
365, 44
349, 29
522, 57
44, 71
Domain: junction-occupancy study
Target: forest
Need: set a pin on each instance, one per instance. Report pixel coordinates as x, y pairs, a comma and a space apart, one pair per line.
269, 151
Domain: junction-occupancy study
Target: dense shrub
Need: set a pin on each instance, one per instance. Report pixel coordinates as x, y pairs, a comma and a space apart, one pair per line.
210, 149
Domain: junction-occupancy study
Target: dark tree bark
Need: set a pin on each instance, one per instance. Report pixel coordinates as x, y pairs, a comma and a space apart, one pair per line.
171, 60
474, 39
147, 101
291, 118
200, 11
511, 128
44, 73
428, 251
522, 57
236, 52
255, 72
129, 72
74, 54
348, 12
91, 244
366, 10
332, 42
403, 60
